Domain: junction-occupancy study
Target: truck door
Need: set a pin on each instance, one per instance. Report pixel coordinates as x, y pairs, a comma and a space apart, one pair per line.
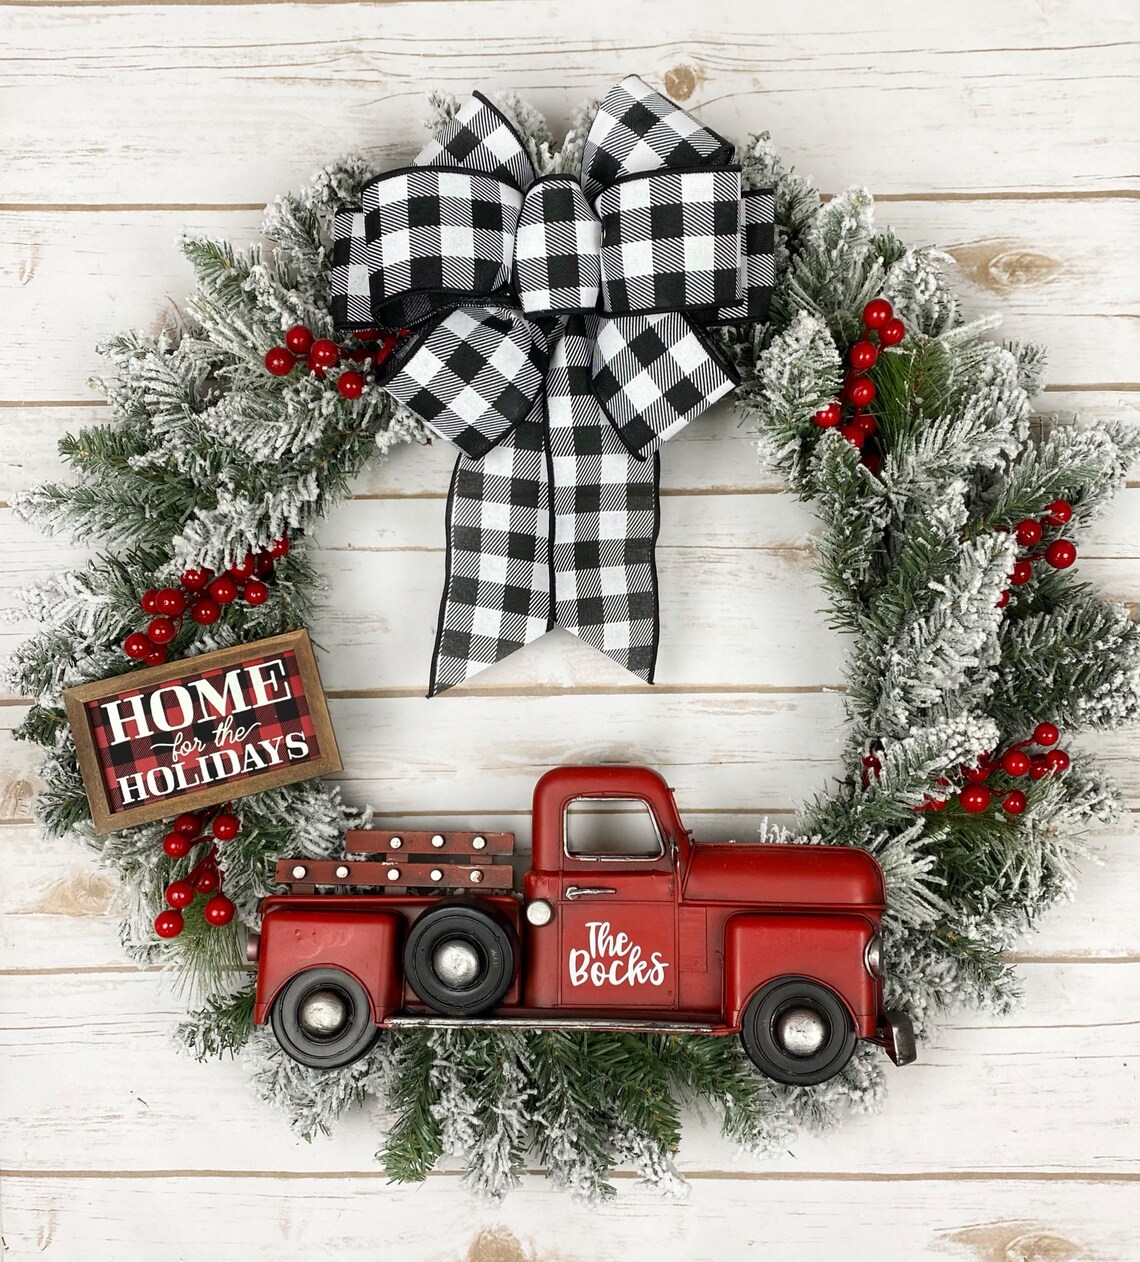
617, 908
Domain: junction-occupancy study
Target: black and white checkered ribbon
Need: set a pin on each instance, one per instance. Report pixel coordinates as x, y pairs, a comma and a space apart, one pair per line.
557, 338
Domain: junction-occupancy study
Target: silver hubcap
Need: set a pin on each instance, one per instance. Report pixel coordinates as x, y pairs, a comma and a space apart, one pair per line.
323, 1013
456, 963
801, 1031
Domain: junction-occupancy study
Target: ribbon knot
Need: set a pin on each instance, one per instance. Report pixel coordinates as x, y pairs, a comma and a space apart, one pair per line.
557, 339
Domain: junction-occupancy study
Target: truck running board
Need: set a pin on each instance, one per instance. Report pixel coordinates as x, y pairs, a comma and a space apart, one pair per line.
550, 1023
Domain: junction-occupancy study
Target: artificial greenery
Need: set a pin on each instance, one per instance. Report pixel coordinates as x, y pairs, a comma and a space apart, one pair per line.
206, 457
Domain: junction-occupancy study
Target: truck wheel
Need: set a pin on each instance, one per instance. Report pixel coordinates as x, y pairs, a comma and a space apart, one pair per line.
322, 1018
797, 1032
459, 960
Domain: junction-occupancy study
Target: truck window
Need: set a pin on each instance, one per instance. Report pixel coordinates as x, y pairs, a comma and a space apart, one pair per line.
613, 828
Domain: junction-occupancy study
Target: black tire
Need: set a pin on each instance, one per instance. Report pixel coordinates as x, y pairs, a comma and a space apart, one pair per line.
760, 1032
331, 1048
482, 941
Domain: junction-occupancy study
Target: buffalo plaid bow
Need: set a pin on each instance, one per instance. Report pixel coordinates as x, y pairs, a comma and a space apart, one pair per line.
557, 340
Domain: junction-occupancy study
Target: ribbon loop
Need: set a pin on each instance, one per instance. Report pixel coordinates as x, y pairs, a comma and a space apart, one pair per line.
473, 376
671, 241
638, 129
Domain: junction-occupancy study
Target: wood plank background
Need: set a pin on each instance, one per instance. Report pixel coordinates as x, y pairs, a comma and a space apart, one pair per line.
1007, 133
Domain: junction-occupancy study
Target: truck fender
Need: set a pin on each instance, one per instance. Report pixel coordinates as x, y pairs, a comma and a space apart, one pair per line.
829, 949
363, 944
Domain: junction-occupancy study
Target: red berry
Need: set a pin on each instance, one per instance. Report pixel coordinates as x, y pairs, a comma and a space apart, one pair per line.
877, 312
205, 611
1014, 803
206, 882
148, 602
194, 579
978, 774
324, 353
975, 799
161, 631
279, 547
1038, 768
873, 462
176, 845
187, 823
171, 602
861, 392
1058, 513
1015, 763
255, 593
223, 590
299, 340
264, 564
867, 423
1002, 600
828, 416
156, 656
243, 569
179, 894
218, 911
279, 361
1060, 554
892, 333
137, 646
350, 385
1028, 532
1022, 573
226, 827
853, 432
1057, 760
1046, 734
863, 355
168, 924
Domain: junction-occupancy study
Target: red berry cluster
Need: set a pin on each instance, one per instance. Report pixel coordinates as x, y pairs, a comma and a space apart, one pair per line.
1060, 553
1015, 763
319, 354
858, 390
201, 595
188, 831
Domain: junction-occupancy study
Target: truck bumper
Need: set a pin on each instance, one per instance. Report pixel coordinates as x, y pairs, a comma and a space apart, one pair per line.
896, 1035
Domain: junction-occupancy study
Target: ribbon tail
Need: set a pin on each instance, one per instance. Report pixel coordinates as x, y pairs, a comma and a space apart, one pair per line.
497, 592
606, 517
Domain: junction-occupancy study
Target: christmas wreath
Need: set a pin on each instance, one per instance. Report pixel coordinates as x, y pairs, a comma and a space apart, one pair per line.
945, 545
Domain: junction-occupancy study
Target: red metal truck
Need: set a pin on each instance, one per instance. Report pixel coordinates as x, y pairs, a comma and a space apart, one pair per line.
624, 923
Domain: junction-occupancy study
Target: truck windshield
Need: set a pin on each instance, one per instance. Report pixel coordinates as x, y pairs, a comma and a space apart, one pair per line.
617, 828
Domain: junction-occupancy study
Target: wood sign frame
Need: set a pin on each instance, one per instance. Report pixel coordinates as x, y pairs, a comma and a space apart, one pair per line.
273, 683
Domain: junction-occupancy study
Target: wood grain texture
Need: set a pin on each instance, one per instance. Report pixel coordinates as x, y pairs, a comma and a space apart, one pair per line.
172, 104
1019, 1219
1005, 133
1052, 268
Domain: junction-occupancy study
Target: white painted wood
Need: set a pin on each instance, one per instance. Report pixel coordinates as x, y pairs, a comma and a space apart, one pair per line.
738, 593
90, 1054
155, 104
1051, 266
1005, 132
270, 1218
711, 455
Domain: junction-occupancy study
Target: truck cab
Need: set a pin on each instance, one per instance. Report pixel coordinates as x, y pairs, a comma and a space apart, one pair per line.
623, 922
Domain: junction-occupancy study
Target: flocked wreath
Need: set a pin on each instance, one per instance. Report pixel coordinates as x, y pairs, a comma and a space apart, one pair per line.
945, 540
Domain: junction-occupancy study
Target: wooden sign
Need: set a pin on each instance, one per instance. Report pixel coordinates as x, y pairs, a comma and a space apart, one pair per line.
201, 731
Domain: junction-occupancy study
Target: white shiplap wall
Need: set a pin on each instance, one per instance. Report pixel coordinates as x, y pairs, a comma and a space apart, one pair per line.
1007, 133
